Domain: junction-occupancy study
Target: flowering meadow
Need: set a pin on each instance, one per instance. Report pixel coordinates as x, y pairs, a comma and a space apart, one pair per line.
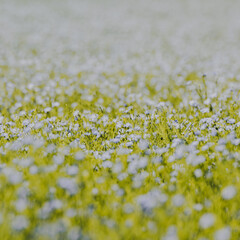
119, 120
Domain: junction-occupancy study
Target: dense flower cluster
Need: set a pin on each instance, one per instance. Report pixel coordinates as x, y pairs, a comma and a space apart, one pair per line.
119, 120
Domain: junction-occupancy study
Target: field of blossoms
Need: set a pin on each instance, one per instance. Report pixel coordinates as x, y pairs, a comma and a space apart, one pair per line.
119, 120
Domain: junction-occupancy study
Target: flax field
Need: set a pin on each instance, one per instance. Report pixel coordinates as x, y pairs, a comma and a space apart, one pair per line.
119, 120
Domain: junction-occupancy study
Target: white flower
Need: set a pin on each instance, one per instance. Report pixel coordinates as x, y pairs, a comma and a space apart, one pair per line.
48, 109
198, 173
193, 103
123, 151
179, 153
38, 143
117, 167
13, 175
157, 160
223, 234
143, 144
115, 140
105, 156
207, 101
152, 199
56, 204
133, 167
28, 140
33, 169
176, 142
122, 176
142, 162
178, 200
95, 191
25, 122
58, 159
129, 144
228, 192
21, 204
23, 162
74, 234
207, 220
68, 184
171, 234
198, 207
205, 110
195, 160
231, 121
72, 170
55, 104
107, 164
71, 212
79, 155
128, 208
20, 223
50, 148
75, 113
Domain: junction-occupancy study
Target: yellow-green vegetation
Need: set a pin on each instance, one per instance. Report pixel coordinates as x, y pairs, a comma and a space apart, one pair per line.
98, 169
119, 120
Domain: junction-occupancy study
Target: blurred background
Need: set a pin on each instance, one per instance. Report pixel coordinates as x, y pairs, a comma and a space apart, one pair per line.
166, 38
